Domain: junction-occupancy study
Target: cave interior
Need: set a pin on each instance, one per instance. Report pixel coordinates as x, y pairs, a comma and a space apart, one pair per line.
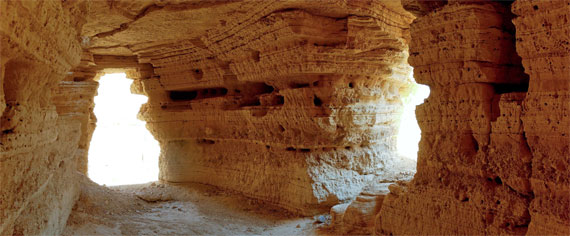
282, 117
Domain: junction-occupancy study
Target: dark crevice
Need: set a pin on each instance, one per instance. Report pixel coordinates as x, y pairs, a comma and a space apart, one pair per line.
197, 94
498, 180
510, 88
475, 143
198, 74
206, 141
299, 85
8, 131
251, 95
183, 95
317, 101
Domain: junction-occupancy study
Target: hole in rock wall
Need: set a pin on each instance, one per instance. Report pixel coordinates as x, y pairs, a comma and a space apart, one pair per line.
409, 133
122, 150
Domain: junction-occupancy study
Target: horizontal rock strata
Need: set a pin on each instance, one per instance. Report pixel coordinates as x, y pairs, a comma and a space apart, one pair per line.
473, 163
543, 42
73, 98
37, 146
297, 103
292, 108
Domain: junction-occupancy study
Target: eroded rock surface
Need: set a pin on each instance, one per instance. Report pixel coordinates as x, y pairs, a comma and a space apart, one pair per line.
359, 216
297, 103
466, 182
489, 175
39, 46
288, 106
543, 42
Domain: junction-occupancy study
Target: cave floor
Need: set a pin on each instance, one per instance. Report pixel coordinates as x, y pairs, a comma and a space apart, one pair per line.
189, 209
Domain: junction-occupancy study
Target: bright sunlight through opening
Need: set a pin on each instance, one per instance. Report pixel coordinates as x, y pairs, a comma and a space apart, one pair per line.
410, 133
122, 150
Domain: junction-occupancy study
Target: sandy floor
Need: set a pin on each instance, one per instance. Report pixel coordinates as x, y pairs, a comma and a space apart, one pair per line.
194, 209
190, 209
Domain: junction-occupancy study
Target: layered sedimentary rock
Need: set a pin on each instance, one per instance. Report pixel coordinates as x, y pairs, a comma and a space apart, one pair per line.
39, 44
287, 106
73, 99
297, 103
222, 90
473, 162
543, 42
358, 217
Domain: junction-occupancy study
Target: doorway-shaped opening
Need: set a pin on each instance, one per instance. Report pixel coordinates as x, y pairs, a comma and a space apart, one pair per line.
409, 134
122, 150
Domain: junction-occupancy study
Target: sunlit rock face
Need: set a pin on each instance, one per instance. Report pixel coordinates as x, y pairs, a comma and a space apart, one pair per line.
290, 102
493, 157
286, 105
297, 103
39, 45
73, 98
465, 52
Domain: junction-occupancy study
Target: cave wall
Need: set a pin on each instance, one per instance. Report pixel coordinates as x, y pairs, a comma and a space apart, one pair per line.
39, 44
543, 42
341, 81
493, 156
282, 104
297, 102
73, 97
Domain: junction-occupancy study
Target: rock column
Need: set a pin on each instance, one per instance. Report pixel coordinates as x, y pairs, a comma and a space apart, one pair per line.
543, 42
473, 156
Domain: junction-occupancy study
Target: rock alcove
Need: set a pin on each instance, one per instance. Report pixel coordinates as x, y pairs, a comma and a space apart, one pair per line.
277, 111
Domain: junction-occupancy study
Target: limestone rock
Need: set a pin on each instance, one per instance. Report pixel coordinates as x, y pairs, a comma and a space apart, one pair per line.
314, 105
73, 98
524, 152
420, 8
337, 214
39, 45
297, 103
359, 216
465, 51
543, 38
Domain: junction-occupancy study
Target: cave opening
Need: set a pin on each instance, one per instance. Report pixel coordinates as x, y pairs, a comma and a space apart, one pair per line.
409, 133
122, 150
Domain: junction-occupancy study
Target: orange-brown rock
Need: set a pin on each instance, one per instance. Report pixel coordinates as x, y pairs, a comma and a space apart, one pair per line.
543, 42
297, 103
